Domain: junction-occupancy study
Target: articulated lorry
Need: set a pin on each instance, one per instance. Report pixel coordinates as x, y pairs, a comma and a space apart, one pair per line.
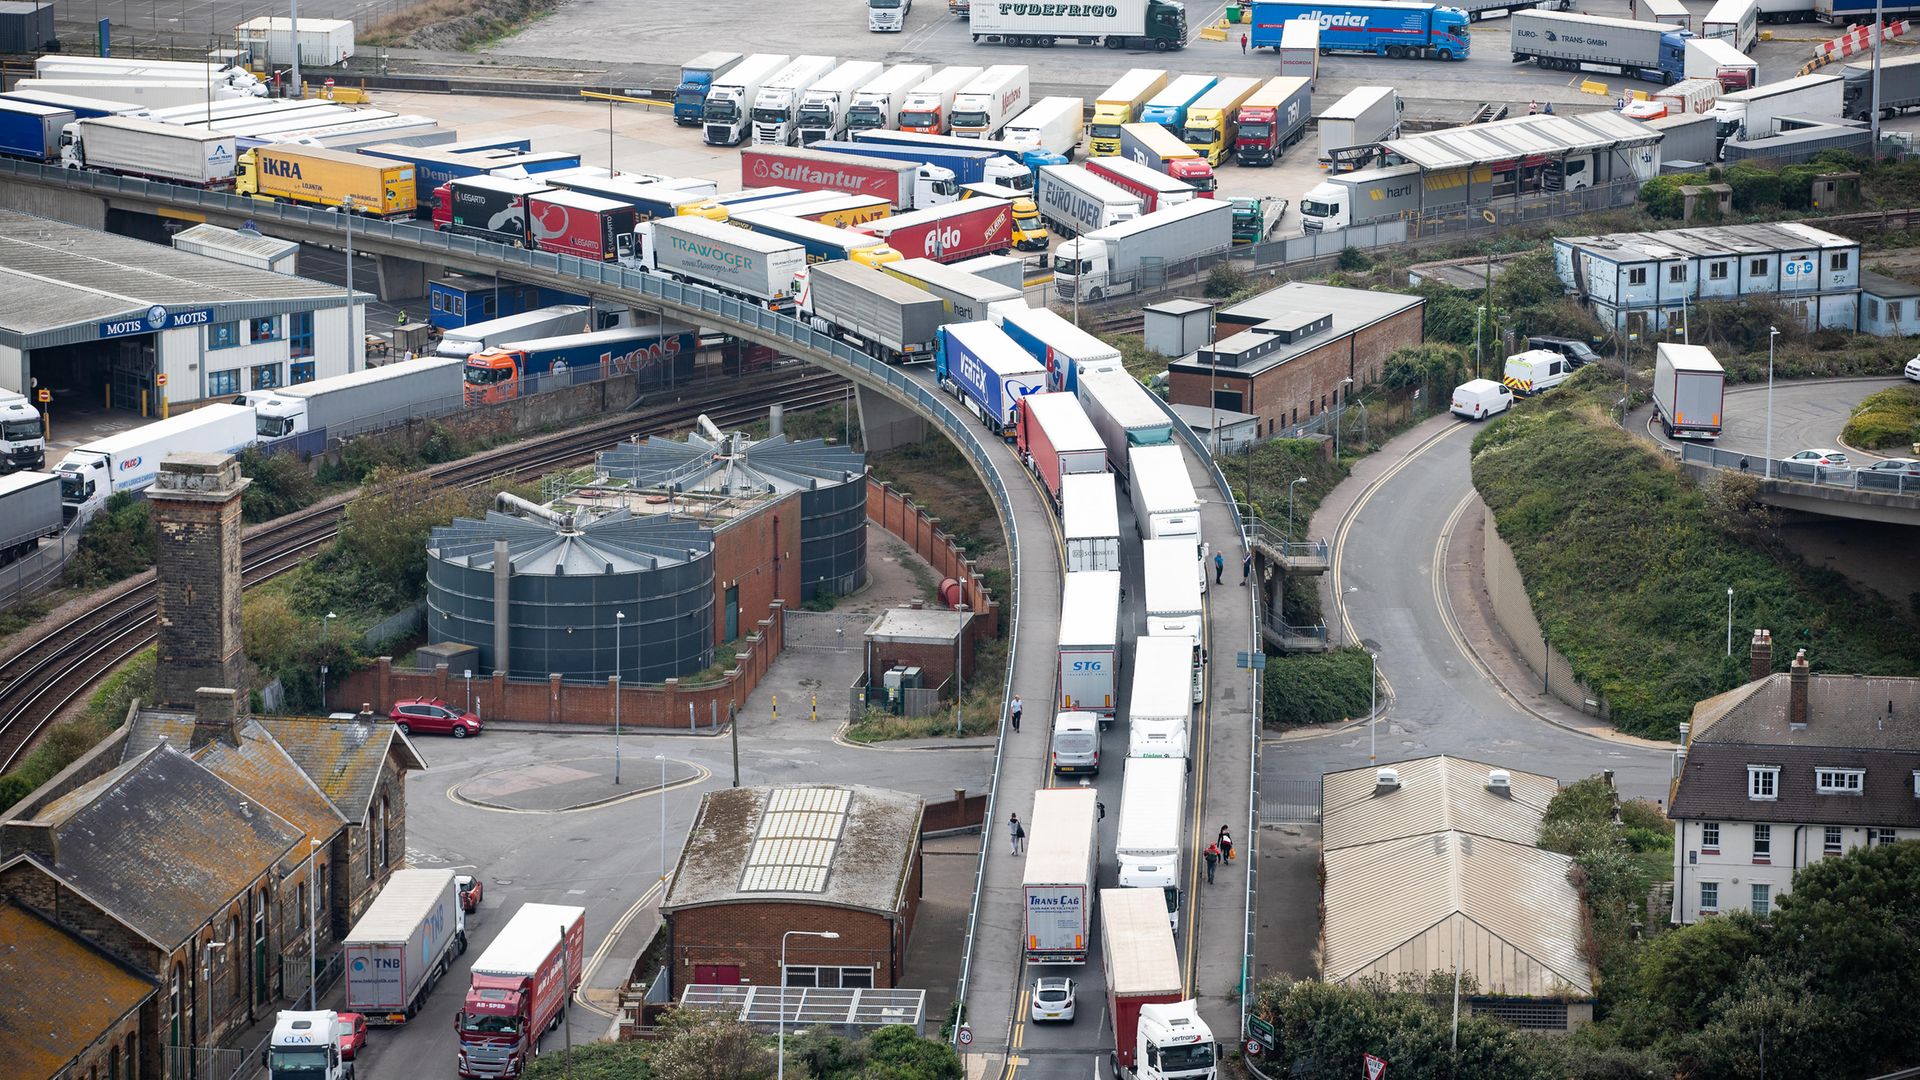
1159, 709
1176, 593
29, 510
105, 69
404, 942
980, 365
1062, 872
1569, 41
1378, 27
1210, 126
342, 404
583, 225
1088, 657
904, 184
1737, 22
129, 461
697, 76
1162, 151
1168, 108
32, 131
1121, 104
1124, 24
554, 319
1090, 522
1756, 113
1367, 115
1074, 200
824, 107
877, 104
23, 442
887, 16
777, 103
1068, 351
1164, 504
1053, 125
1157, 1031
882, 316
1029, 231
971, 161
928, 108
949, 233
1124, 414
1272, 119
174, 155
519, 990
329, 179
982, 107
1689, 390
1054, 437
968, 297
1108, 262
727, 116
822, 243
490, 208
740, 262
658, 352
307, 1046
1899, 87
1711, 58
1151, 836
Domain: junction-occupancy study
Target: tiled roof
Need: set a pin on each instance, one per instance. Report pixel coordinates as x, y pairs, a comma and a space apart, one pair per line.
1713, 786
57, 994
1869, 712
1435, 794
260, 768
150, 727
344, 757
161, 841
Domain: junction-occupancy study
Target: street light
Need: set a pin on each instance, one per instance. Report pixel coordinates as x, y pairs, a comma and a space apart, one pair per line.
1373, 710
346, 213
781, 1053
1772, 333
326, 644
619, 620
1340, 413
1290, 485
662, 759
1729, 621
313, 923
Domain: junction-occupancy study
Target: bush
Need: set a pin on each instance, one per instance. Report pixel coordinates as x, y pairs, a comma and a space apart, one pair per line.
1889, 419
117, 544
280, 485
1309, 688
1224, 280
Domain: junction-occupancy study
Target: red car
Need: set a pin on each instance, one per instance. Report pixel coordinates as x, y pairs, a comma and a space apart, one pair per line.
470, 891
432, 716
353, 1034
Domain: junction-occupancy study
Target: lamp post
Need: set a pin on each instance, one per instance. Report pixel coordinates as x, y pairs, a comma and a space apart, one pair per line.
1373, 709
293, 35
313, 923
781, 1051
662, 759
620, 620
325, 644
206, 980
1339, 414
1290, 486
1772, 333
1729, 621
346, 213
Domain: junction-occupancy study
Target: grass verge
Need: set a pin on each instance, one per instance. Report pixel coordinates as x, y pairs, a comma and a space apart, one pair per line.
1888, 420
455, 24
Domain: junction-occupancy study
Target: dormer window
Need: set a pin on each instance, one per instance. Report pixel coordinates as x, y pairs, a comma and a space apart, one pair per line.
1763, 782
1839, 781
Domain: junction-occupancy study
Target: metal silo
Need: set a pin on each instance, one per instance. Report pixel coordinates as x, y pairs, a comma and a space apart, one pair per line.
831, 480
547, 589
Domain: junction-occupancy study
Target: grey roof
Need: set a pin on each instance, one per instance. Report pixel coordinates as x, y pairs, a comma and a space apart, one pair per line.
1707, 242
1519, 136
1436, 794
1887, 288
1200, 417
240, 242
616, 542
933, 625
56, 278
1178, 307
733, 464
1352, 310
839, 845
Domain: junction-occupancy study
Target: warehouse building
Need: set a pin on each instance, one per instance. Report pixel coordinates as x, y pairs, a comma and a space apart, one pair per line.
1434, 863
1284, 357
101, 320
1643, 282
843, 859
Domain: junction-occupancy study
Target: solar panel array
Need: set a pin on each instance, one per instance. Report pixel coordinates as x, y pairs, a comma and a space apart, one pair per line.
799, 833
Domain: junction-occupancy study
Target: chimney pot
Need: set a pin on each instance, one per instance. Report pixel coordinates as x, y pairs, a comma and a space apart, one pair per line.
1761, 654
1797, 691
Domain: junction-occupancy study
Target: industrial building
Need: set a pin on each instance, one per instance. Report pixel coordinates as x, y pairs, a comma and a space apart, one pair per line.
762, 860
1434, 863
1643, 282
1284, 356
105, 320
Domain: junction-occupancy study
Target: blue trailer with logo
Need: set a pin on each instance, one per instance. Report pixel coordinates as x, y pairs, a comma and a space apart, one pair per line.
1065, 349
696, 78
434, 166
987, 370
1380, 27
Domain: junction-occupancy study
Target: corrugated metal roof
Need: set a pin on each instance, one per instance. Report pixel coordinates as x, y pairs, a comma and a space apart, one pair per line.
1707, 242
237, 241
733, 464
1519, 136
848, 846
616, 542
1436, 794
57, 994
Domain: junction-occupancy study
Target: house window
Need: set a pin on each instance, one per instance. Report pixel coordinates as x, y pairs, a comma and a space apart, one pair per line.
1637, 276
1710, 837
266, 376
1677, 274
224, 335
1835, 842
259, 330
1762, 843
1894, 310
299, 371
1717, 271
1839, 781
843, 978
1763, 782
1762, 900
386, 835
1882, 836
223, 383
1873, 309
300, 334
1841, 260
300, 897
1709, 897
1757, 267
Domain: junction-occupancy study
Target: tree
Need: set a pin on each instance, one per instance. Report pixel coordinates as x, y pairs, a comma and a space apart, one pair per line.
1680, 974
703, 1046
593, 1061
897, 1053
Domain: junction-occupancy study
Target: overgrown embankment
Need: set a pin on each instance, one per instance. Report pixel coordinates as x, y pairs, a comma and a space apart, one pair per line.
1629, 561
455, 24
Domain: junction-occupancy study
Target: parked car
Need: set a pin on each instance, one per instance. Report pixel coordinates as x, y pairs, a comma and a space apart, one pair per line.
1477, 399
432, 716
1913, 369
1053, 999
1576, 351
1905, 467
1832, 459
470, 891
353, 1034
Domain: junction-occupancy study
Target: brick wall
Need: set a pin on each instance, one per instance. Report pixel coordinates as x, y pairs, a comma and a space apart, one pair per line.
748, 935
934, 661
891, 509
949, 815
119, 1043
197, 588
760, 554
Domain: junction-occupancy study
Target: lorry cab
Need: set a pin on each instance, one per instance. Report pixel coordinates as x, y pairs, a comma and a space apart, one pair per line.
1324, 209
83, 486
1175, 1043
1210, 127
492, 376
306, 1046
1029, 228
1536, 371
276, 417
23, 443
1076, 743
887, 16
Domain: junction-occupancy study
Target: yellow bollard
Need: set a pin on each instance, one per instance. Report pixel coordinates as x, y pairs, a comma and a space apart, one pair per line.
776, 707
816, 708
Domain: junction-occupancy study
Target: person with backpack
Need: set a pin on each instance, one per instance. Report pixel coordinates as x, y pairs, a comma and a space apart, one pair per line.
1015, 833
1213, 860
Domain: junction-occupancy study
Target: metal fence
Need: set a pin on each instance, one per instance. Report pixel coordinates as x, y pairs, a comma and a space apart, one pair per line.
206, 1062
1291, 802
1314, 245
25, 576
1150, 276
1898, 482
293, 976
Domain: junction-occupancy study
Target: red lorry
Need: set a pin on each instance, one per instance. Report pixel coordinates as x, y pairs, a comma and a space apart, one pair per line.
822, 170
1055, 437
950, 233
576, 223
520, 988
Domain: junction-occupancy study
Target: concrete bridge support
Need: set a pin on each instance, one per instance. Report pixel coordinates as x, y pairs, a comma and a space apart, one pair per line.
73, 207
400, 279
886, 424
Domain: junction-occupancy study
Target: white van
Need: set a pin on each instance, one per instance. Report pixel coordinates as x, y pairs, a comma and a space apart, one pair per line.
1477, 399
1076, 743
1536, 371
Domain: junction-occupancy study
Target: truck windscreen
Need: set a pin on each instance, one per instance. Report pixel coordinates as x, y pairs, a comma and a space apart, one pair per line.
770, 116
722, 110
969, 119
73, 488
1175, 1059
1317, 209
297, 1063
487, 376
1104, 131
919, 118
20, 430
490, 1025
273, 427
1257, 132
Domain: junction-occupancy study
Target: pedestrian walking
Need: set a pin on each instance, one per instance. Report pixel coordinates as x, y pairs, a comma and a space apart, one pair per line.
1102, 807
1219, 567
1213, 860
1015, 833
1243, 43
1225, 844
1246, 567
1013, 712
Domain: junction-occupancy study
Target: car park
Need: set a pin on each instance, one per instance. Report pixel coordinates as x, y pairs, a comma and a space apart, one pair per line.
432, 716
1832, 459
1477, 399
1052, 999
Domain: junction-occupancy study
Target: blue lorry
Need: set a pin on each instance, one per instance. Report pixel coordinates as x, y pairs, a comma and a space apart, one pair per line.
1066, 350
987, 370
696, 78
953, 152
434, 167
456, 300
32, 131
1378, 27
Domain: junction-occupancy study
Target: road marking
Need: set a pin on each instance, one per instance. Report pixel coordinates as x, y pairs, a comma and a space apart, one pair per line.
600, 954
701, 775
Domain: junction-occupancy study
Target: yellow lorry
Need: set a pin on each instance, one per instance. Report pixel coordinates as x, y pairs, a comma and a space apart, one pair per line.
312, 176
1121, 105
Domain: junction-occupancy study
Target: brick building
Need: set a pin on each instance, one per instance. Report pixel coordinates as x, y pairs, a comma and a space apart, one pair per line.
762, 861
68, 1010
1283, 355
934, 640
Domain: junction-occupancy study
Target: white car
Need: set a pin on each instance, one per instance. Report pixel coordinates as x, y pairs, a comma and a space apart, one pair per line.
1832, 459
1052, 999
1913, 369
1477, 399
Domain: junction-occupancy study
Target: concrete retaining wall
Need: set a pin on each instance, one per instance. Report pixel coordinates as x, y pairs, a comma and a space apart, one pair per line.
1514, 612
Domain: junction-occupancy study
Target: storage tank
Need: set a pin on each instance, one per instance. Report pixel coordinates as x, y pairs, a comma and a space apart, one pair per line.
831, 480
546, 588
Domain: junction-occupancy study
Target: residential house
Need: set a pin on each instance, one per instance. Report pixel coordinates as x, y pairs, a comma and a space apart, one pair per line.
68, 1009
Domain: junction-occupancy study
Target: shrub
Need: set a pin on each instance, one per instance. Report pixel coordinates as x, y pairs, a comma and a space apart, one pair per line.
117, 544
1224, 280
1316, 689
1889, 419
280, 485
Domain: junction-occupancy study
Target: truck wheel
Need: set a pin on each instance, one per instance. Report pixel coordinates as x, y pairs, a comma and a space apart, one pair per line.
1163, 45
1046, 43
1446, 55
1398, 52
1116, 43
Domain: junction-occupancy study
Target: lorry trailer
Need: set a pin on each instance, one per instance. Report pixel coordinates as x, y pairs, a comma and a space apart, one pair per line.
29, 510
1378, 27
740, 262
1088, 657
1164, 504
658, 352
775, 106
80, 105
822, 243
143, 148
1899, 87
1053, 125
1210, 127
1157, 1032
1273, 118
1109, 262
948, 233
111, 68
1121, 104
490, 208
982, 107
903, 184
435, 167
928, 108
1168, 108
1162, 151
971, 161
405, 940
1150, 838
1126, 24
1066, 350
129, 461
1159, 709
1007, 270
1736, 22
1689, 390
649, 199
979, 364
582, 225
877, 104
1124, 414
32, 131
331, 179
696, 78
343, 404
839, 210
823, 108
968, 297
1176, 597
523, 326
1057, 886
519, 989
1569, 41
1074, 200
1366, 115
1055, 438
1300, 49
726, 116
879, 314
1756, 113
1090, 522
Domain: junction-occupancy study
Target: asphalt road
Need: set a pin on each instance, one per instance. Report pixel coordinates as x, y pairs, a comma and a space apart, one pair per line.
1806, 415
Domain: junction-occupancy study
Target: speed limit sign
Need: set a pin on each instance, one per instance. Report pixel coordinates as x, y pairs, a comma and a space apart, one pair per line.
966, 1035
1253, 1047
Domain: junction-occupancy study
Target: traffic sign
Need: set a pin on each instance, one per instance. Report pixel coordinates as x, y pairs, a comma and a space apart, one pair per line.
45, 395
160, 379
1253, 1047
1376, 1067
966, 1035
1244, 660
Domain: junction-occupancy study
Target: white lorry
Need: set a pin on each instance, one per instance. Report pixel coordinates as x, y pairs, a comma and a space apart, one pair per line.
176, 155
307, 1046
1729, 68
1157, 1031
129, 461
887, 16
824, 107
740, 262
1090, 522
1689, 390
106, 69
1075, 200
928, 108
1089, 650
777, 103
968, 296
1366, 115
1153, 807
1176, 598
404, 942
1054, 124
1756, 113
342, 404
882, 316
728, 113
1107, 262
539, 323
1063, 863
1159, 708
149, 93
23, 442
877, 104
983, 106
1164, 504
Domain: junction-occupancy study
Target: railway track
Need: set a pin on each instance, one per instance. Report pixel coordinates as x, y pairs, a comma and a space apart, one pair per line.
39, 682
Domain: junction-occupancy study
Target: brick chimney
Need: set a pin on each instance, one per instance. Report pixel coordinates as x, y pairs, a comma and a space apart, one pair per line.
1797, 692
1762, 653
196, 519
216, 716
